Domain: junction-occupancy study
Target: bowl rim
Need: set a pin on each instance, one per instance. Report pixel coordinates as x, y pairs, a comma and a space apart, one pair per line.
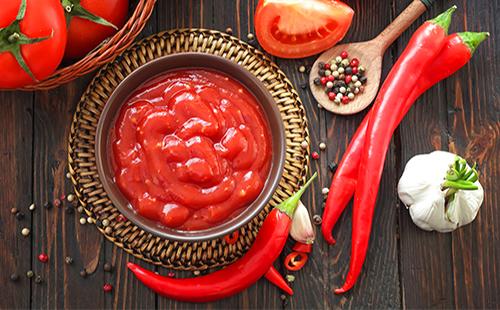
228, 68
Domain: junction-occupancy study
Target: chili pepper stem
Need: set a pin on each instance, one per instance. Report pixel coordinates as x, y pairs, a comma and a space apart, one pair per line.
473, 39
444, 19
290, 204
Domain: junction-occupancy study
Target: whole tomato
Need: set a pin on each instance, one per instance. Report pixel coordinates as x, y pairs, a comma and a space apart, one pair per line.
32, 40
86, 31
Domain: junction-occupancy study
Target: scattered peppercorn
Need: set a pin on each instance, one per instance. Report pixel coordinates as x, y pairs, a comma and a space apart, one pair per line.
19, 216
283, 296
70, 197
38, 279
107, 288
98, 223
108, 230
68, 175
121, 218
290, 278
83, 221
325, 190
171, 274
42, 257
13, 211
83, 273
25, 232
315, 155
47, 205
108, 267
250, 36
332, 166
322, 146
304, 144
79, 209
56, 202
90, 220
62, 197
30, 274
105, 222
229, 30
68, 260
196, 272
317, 219
302, 69
14, 277
303, 85
32, 207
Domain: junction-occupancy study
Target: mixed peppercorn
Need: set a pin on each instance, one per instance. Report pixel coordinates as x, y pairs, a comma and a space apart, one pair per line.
342, 78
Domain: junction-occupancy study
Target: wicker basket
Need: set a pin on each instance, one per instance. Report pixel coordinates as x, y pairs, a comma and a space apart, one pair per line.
105, 53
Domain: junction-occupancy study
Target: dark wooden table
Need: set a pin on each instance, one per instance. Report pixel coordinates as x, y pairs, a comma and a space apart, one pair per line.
405, 267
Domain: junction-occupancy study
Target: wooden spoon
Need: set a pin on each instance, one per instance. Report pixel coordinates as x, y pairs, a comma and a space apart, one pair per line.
370, 55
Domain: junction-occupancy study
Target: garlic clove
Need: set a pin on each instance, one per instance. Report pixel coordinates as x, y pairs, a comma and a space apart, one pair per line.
302, 229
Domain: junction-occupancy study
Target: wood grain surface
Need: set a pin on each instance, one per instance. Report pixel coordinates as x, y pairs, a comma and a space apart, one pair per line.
405, 267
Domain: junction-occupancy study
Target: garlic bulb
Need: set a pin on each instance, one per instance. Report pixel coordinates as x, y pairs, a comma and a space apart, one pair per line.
302, 229
441, 191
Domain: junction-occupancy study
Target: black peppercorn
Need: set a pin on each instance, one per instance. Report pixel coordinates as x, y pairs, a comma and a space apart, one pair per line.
321, 65
108, 267
68, 260
14, 277
98, 223
317, 81
348, 70
336, 90
19, 216
83, 273
29, 274
38, 279
47, 205
332, 166
303, 85
321, 72
363, 79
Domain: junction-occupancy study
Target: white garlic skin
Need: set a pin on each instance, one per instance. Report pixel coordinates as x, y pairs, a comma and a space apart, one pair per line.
302, 229
420, 190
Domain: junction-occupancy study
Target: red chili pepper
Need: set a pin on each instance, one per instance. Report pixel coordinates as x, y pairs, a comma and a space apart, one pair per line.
295, 261
456, 53
422, 49
302, 247
232, 237
273, 276
236, 277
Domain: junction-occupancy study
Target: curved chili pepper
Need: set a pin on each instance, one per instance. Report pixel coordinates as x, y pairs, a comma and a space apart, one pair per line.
238, 276
456, 53
295, 261
273, 276
423, 48
302, 247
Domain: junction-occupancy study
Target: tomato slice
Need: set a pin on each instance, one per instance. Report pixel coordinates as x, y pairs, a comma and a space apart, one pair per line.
295, 261
301, 28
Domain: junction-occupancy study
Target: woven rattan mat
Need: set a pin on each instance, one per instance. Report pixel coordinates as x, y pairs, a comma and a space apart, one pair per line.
81, 156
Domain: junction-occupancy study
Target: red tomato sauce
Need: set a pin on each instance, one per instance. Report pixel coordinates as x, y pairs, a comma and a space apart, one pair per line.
191, 149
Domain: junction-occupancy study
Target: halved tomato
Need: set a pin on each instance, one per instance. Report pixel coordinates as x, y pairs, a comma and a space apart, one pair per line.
301, 28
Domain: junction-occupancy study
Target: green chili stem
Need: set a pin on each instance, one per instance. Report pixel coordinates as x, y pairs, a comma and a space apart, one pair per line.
444, 19
290, 204
459, 177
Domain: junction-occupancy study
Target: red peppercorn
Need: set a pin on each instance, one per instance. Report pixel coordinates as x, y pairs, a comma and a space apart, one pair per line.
345, 100
56, 202
63, 196
107, 288
315, 155
354, 62
42, 257
121, 218
327, 66
330, 78
348, 79
331, 96
344, 55
355, 70
171, 274
323, 80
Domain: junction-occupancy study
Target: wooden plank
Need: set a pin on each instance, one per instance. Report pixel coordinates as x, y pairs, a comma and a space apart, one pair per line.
426, 272
16, 183
381, 266
473, 97
55, 232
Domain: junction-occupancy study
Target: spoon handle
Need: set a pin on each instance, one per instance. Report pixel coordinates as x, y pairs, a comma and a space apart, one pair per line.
402, 22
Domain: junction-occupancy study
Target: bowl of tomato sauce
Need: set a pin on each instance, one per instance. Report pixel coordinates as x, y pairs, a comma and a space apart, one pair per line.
190, 146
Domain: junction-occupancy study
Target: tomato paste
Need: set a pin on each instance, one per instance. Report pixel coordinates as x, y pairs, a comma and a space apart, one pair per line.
191, 149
